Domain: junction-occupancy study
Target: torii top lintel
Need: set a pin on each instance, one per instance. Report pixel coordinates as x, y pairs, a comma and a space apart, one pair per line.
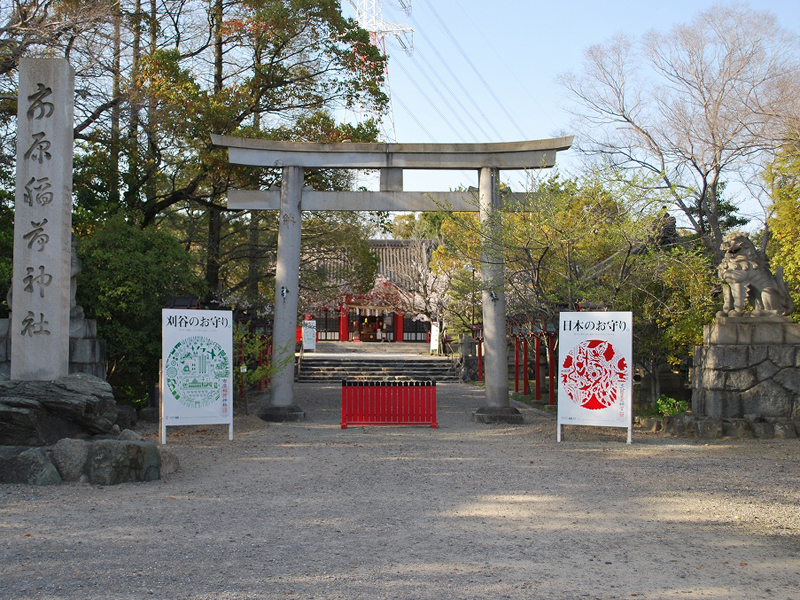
534, 154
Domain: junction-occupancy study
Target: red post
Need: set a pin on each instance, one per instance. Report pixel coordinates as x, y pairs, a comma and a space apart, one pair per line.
516, 364
269, 358
537, 367
343, 334
398, 327
526, 384
551, 366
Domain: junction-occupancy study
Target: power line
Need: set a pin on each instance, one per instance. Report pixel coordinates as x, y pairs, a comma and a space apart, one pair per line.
511, 71
474, 69
436, 87
414, 117
459, 84
427, 97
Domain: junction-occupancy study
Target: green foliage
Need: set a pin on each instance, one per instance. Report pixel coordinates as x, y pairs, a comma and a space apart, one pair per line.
464, 307
783, 176
127, 275
251, 357
570, 243
6, 236
671, 294
425, 225
590, 242
667, 406
336, 257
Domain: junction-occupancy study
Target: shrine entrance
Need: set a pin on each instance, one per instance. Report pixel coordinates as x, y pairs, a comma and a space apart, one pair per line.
294, 157
372, 329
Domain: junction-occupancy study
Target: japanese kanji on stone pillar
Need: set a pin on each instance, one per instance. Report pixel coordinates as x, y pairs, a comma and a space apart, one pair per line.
40, 302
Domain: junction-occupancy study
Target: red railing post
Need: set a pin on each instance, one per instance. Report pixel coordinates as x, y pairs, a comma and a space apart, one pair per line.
526, 387
516, 364
551, 366
388, 403
345, 403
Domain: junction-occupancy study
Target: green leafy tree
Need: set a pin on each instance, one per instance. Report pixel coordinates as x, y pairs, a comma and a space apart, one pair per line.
154, 80
6, 241
671, 293
147, 102
598, 242
424, 225
463, 301
568, 243
783, 178
126, 278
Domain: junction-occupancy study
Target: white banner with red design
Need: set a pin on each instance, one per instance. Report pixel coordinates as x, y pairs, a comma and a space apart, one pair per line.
595, 375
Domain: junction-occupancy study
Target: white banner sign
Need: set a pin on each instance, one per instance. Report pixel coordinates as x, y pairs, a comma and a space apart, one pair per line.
197, 368
595, 357
310, 335
435, 332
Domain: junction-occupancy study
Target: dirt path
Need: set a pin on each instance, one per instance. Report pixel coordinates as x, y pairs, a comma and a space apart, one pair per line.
307, 510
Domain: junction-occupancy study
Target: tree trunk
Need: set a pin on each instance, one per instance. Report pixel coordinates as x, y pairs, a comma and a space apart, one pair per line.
655, 381
253, 258
134, 124
151, 190
214, 212
218, 14
113, 190
213, 258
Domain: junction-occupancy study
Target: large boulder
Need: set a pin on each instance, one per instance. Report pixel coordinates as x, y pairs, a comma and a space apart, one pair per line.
101, 462
169, 461
30, 466
118, 461
39, 413
70, 457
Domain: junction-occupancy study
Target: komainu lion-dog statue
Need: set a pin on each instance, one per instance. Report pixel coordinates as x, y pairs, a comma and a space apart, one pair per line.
747, 278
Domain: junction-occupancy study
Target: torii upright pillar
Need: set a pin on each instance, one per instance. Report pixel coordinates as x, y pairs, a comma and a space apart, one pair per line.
495, 358
287, 284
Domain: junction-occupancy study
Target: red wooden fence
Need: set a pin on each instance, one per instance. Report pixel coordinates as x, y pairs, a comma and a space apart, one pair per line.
388, 403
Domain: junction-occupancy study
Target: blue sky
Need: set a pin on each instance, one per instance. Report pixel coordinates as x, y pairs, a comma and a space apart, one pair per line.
518, 48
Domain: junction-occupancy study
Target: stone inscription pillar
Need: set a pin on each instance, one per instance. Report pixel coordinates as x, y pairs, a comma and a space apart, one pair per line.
287, 284
42, 221
495, 358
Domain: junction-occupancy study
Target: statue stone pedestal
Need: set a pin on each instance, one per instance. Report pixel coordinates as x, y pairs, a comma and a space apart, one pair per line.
87, 353
748, 367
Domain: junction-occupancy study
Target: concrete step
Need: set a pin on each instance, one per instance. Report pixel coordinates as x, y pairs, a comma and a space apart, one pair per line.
394, 368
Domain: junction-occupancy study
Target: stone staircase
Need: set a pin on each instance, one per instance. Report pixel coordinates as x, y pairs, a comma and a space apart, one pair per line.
386, 367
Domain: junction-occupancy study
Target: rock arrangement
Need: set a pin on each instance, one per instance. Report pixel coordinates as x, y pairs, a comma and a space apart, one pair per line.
748, 366
71, 429
750, 426
104, 461
39, 413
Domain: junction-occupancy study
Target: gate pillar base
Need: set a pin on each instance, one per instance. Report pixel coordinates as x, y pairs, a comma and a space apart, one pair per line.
282, 414
498, 414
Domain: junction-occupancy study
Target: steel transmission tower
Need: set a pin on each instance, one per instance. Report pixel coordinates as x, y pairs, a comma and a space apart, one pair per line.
370, 16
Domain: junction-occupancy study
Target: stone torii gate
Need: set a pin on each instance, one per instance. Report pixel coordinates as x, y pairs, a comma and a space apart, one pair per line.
391, 159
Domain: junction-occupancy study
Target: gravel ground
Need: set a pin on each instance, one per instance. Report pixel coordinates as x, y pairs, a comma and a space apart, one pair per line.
308, 510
